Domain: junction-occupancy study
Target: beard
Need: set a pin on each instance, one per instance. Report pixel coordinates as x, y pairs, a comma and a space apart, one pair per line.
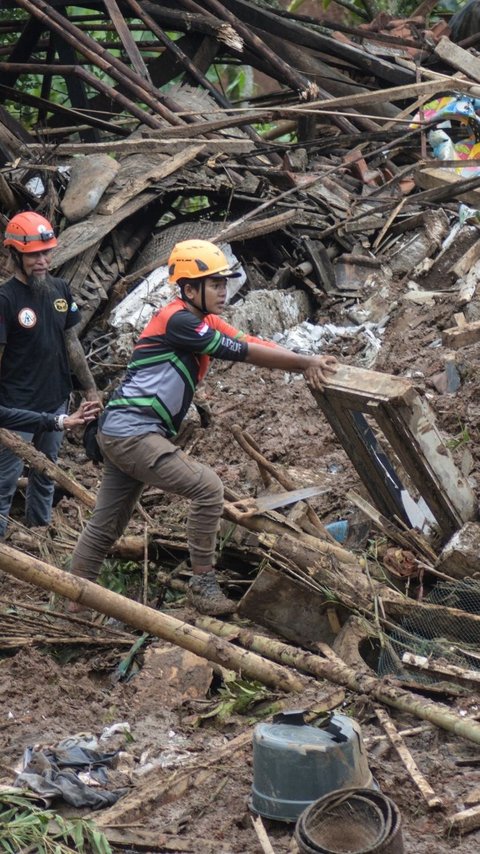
40, 284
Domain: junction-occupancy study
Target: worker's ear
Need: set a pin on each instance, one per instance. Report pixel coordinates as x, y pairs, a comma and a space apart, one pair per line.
190, 289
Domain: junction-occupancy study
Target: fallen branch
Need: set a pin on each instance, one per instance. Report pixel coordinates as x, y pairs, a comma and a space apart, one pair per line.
45, 466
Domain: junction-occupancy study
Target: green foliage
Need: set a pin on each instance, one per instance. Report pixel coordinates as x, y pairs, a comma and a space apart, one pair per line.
26, 827
237, 696
121, 576
462, 438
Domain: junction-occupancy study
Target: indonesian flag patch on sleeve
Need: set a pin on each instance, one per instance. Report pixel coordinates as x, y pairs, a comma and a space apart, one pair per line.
202, 328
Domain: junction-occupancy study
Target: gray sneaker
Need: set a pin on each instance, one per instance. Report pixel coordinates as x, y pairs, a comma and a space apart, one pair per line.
205, 595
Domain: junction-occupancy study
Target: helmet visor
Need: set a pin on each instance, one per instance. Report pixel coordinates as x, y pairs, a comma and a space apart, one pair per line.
227, 273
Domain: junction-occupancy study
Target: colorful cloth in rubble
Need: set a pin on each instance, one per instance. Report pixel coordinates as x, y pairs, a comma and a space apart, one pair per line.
457, 107
170, 358
453, 108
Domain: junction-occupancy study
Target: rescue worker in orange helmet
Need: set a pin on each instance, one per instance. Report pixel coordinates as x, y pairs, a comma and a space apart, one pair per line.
141, 420
39, 349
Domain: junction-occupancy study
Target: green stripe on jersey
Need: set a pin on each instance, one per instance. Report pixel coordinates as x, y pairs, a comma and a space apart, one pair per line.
165, 357
152, 402
214, 344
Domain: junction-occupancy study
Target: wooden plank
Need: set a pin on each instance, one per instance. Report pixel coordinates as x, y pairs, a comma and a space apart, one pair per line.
466, 262
132, 146
288, 606
127, 39
359, 385
409, 428
465, 821
432, 177
413, 435
461, 336
156, 172
80, 236
459, 58
367, 464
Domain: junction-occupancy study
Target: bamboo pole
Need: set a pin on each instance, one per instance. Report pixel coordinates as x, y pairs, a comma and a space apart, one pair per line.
335, 670
37, 572
42, 464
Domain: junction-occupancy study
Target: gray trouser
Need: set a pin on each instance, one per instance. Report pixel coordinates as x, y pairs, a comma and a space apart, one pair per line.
129, 465
40, 489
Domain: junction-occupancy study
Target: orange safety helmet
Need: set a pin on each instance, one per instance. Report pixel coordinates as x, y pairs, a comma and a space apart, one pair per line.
29, 232
196, 259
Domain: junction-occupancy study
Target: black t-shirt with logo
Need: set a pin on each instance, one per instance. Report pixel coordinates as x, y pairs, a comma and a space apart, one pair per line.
34, 370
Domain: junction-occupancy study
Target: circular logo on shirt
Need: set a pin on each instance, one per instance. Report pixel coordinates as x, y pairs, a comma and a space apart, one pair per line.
27, 318
60, 305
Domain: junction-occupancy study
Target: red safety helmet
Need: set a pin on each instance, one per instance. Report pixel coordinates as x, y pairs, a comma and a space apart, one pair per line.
29, 232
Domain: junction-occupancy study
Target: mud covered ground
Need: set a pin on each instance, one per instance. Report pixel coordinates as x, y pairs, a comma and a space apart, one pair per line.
49, 694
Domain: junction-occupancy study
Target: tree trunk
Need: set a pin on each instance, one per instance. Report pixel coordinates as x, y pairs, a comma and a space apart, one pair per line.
45, 466
335, 670
41, 574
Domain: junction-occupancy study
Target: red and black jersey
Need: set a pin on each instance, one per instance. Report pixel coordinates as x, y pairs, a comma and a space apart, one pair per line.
170, 358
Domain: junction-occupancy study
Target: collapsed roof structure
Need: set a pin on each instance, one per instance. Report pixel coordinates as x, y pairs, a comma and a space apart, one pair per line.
327, 180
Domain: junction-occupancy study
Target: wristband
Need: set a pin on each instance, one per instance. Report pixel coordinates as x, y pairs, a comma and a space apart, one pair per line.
59, 421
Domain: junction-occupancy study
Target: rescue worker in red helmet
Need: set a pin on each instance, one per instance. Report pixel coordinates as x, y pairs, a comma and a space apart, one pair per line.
39, 349
141, 420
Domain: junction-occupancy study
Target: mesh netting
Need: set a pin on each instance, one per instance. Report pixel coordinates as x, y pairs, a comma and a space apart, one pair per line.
439, 636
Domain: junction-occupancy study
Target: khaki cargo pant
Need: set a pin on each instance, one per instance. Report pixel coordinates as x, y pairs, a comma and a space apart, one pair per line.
129, 465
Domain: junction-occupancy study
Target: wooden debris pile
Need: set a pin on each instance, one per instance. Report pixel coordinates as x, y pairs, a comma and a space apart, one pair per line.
126, 167
324, 183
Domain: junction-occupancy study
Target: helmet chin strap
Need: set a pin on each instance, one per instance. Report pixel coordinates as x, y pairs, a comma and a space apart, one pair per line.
17, 259
203, 306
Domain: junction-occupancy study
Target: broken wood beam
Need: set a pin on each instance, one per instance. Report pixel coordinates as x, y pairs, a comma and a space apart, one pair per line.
133, 146
465, 820
458, 58
90, 78
441, 185
126, 37
443, 669
101, 58
41, 463
305, 87
335, 670
90, 595
461, 336
432, 800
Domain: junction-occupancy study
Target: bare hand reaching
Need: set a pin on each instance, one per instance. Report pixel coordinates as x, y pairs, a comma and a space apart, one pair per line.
320, 371
87, 411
